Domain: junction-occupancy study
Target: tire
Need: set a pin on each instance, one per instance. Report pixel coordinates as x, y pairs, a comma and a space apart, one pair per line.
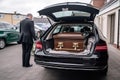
2, 43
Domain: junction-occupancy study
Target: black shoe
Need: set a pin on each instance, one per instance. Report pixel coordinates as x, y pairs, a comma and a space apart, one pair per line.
29, 65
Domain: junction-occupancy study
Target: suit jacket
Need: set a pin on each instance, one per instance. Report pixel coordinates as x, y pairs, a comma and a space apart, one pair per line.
27, 32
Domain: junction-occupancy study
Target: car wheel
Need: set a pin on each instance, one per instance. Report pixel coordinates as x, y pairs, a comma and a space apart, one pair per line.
2, 43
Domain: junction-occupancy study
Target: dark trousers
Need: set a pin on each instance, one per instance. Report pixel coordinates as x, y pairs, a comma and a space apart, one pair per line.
26, 52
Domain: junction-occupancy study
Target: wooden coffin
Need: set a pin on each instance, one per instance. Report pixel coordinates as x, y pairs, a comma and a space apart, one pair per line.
69, 42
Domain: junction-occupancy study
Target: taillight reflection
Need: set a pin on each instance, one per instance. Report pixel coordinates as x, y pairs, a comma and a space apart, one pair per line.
38, 45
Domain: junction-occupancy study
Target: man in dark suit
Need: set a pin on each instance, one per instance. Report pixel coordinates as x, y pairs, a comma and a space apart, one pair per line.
27, 33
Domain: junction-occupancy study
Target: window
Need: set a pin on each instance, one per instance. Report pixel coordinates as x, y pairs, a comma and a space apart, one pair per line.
1, 25
57, 30
8, 26
108, 0
71, 13
72, 28
5, 25
1, 15
16, 17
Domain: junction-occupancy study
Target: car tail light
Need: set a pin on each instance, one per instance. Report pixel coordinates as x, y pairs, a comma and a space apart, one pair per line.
38, 45
101, 47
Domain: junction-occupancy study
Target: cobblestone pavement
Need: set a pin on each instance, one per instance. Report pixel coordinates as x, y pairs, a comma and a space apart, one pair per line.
11, 68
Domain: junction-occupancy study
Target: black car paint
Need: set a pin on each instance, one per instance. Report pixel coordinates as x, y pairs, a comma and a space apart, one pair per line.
71, 6
97, 61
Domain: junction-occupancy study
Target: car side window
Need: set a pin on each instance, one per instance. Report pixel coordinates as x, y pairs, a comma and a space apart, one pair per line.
1, 25
6, 26
57, 29
77, 28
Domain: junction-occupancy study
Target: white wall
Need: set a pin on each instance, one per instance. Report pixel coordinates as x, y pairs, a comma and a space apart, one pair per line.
102, 19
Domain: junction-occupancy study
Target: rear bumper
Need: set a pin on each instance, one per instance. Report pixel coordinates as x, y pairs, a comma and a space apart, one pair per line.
91, 63
69, 66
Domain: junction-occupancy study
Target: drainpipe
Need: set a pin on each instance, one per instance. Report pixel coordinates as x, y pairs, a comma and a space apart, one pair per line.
118, 29
11, 18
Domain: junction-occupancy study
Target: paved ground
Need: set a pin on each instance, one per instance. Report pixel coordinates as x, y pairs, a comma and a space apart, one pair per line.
11, 69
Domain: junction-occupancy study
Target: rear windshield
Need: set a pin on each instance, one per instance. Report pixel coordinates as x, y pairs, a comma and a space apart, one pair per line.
71, 13
73, 28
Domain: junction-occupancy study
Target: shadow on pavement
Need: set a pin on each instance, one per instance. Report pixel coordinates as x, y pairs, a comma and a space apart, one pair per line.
11, 44
73, 75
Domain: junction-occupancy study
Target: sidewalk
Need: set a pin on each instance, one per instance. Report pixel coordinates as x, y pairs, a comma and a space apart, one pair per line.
116, 46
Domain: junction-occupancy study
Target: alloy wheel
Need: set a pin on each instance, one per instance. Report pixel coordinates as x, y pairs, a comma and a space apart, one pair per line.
2, 43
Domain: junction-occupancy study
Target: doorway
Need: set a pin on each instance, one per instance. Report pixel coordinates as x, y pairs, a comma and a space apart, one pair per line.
111, 28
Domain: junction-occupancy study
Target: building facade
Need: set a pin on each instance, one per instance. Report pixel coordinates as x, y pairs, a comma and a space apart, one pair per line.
98, 3
108, 20
12, 18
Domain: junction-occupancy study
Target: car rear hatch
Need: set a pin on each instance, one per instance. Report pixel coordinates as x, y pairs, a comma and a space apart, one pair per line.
70, 11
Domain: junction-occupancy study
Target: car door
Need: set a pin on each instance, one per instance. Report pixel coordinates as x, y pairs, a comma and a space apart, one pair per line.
12, 34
